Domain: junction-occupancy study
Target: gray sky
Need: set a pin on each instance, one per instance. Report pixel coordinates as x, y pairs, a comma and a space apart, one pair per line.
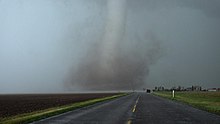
45, 44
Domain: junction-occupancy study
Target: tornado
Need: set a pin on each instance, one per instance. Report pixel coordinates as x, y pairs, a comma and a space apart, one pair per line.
111, 64
113, 35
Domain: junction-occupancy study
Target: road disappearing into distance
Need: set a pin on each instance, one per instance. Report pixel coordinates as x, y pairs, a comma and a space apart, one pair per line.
136, 108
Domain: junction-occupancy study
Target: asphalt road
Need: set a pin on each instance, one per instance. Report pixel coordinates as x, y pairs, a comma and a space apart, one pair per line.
137, 108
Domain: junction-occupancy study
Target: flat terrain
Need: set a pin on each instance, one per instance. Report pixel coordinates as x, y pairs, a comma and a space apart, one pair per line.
136, 108
209, 101
11, 105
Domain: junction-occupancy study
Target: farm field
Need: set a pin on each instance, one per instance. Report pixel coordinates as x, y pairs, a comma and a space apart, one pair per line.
11, 105
208, 101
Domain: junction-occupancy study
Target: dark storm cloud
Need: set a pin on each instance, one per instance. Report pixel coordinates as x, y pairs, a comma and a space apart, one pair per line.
210, 8
47, 45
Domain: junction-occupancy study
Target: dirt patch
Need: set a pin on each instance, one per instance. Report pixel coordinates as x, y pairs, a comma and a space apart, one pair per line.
11, 105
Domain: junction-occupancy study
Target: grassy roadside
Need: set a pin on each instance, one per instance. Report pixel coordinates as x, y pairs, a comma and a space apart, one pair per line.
34, 116
208, 101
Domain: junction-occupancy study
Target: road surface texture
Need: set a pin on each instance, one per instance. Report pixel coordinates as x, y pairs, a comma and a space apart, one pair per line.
136, 108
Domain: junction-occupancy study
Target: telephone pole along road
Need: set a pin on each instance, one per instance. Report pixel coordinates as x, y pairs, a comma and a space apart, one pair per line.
136, 108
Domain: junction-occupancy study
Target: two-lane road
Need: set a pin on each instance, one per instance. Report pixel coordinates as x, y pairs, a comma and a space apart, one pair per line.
137, 108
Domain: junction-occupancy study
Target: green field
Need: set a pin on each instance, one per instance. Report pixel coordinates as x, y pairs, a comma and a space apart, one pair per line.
208, 101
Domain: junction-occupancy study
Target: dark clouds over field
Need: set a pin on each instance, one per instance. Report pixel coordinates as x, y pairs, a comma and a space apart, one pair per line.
57, 46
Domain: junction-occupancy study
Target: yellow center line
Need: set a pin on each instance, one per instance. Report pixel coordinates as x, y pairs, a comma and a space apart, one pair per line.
137, 99
133, 110
129, 122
